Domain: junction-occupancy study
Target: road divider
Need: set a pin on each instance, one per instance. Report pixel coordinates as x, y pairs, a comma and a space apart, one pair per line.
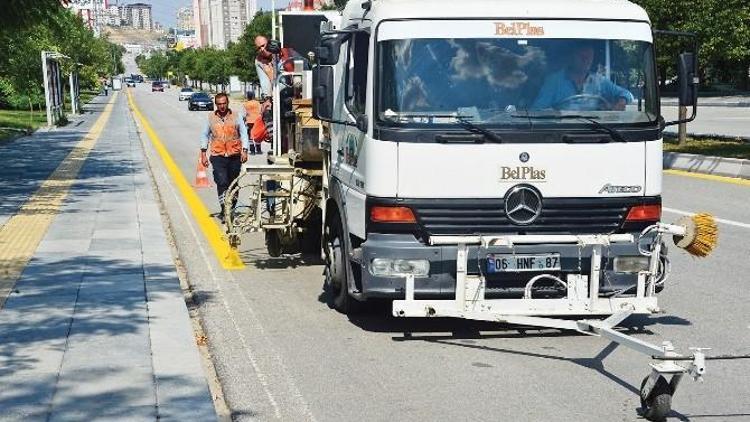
21, 234
228, 257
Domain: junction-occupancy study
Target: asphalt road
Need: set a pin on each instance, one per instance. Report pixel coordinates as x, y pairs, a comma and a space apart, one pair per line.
282, 354
711, 120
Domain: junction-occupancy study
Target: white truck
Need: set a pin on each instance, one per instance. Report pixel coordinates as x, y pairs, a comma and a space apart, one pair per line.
492, 160
116, 84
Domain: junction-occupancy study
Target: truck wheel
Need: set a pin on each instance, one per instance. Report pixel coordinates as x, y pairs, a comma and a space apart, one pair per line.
273, 243
337, 279
658, 403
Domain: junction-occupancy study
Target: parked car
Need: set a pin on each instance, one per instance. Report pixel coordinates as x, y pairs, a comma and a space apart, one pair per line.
129, 82
200, 101
185, 94
157, 86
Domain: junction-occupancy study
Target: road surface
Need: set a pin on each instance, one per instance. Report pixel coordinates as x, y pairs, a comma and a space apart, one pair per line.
710, 120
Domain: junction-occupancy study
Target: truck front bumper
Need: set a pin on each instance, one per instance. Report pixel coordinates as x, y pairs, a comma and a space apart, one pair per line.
441, 283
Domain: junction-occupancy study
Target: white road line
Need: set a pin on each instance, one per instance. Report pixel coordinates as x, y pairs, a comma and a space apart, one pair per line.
719, 220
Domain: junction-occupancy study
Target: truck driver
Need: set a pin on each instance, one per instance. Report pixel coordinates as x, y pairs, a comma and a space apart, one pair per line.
577, 88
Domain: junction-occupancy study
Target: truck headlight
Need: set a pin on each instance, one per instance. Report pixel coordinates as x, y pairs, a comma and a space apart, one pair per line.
631, 264
398, 268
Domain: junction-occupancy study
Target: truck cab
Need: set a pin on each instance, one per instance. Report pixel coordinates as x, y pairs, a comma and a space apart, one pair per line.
487, 118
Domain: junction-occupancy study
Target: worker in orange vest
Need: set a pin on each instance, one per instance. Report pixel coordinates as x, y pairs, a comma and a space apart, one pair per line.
252, 112
226, 137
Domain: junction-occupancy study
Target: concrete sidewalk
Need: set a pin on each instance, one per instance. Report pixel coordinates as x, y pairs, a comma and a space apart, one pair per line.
96, 327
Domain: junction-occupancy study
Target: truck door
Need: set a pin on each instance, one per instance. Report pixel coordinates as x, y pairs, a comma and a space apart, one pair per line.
348, 144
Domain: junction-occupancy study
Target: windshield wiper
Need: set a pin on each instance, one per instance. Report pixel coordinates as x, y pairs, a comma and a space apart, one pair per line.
614, 133
473, 128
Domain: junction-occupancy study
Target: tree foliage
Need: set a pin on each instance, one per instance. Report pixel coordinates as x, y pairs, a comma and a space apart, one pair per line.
723, 30
20, 13
209, 64
49, 26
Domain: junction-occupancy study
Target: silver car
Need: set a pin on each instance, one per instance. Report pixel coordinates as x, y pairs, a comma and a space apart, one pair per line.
185, 94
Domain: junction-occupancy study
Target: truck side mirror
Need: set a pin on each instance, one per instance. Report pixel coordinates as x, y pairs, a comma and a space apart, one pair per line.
323, 93
688, 80
329, 50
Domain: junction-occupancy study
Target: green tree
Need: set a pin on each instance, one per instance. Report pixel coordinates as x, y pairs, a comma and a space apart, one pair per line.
22, 13
155, 66
723, 30
48, 26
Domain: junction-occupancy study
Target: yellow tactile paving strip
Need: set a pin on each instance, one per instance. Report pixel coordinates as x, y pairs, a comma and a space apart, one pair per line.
21, 234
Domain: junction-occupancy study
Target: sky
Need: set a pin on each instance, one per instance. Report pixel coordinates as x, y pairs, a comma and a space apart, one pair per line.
165, 10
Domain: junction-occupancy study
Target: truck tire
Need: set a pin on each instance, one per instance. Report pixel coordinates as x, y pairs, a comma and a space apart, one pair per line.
337, 271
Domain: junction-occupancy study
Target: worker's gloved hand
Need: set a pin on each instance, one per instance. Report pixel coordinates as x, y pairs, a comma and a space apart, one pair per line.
243, 155
203, 159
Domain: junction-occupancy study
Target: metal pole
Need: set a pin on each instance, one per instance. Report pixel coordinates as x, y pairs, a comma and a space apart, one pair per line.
273, 19
73, 105
46, 89
682, 128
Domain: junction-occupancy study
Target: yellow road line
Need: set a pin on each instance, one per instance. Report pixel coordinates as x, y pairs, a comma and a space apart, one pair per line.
228, 257
722, 179
20, 236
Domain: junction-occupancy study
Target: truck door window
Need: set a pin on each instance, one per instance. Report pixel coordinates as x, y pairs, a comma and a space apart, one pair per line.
356, 73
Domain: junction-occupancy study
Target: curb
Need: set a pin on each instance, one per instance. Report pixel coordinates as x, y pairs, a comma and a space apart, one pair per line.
717, 166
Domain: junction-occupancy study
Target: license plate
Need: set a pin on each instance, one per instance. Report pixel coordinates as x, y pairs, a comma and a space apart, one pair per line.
517, 263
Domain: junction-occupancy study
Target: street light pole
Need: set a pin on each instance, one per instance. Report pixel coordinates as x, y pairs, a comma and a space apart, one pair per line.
47, 93
273, 19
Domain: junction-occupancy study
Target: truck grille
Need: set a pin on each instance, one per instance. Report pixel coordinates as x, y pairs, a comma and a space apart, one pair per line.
484, 216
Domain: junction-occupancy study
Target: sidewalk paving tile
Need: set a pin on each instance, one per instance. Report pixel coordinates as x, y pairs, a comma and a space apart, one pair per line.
97, 327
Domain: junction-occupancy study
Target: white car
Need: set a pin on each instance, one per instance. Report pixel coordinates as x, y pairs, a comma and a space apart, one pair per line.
185, 94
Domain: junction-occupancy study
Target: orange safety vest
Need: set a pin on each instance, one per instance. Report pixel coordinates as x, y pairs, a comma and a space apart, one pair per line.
252, 110
225, 138
259, 132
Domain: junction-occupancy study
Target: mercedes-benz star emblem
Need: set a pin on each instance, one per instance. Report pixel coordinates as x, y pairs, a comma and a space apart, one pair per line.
524, 157
523, 204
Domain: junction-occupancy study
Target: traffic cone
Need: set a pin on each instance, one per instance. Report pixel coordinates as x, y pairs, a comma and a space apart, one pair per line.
201, 177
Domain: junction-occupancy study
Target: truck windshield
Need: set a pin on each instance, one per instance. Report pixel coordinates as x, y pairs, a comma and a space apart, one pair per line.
508, 81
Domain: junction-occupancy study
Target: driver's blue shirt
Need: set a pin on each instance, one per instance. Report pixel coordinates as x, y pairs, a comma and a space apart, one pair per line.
558, 87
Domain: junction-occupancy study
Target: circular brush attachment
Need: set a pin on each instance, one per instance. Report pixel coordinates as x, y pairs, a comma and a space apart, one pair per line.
701, 234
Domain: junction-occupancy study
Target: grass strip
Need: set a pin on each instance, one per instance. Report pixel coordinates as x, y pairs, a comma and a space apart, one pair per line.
711, 147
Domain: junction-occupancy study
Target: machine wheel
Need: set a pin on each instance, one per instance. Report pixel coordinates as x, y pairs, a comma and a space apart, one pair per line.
273, 243
337, 274
658, 403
